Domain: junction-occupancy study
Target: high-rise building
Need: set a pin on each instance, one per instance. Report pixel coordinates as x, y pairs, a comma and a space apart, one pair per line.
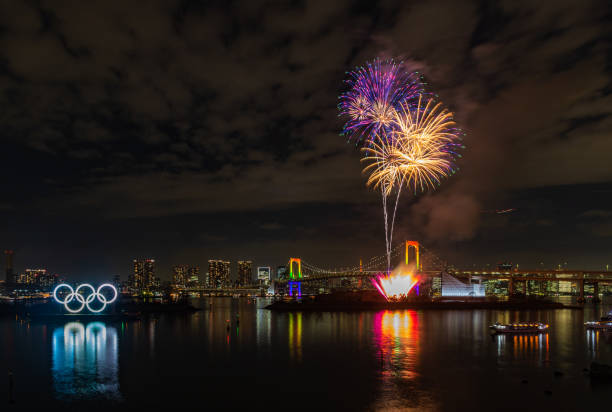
245, 272
193, 276
46, 280
144, 274
281, 272
185, 275
179, 275
263, 275
31, 275
38, 277
10, 276
218, 273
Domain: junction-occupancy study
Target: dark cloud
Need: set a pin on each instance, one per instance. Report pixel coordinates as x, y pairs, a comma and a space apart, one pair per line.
124, 112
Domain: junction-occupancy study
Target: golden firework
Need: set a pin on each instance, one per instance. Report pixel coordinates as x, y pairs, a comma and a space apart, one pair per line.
418, 150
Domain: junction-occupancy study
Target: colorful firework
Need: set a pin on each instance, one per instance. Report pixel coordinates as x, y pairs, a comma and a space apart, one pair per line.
396, 285
375, 92
418, 151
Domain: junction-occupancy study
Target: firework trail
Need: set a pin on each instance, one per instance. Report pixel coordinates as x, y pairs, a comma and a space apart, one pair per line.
375, 92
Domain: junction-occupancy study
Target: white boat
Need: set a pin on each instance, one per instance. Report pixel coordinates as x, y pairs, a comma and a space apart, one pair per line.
520, 327
604, 323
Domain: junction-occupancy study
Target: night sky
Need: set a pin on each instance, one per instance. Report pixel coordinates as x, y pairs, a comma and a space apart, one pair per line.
185, 132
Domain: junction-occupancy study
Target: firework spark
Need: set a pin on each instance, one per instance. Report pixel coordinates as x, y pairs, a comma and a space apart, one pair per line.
375, 92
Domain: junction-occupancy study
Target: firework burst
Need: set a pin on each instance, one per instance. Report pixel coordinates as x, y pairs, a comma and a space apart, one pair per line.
375, 92
418, 151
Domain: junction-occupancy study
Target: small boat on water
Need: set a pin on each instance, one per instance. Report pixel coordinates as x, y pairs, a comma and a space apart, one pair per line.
604, 323
520, 327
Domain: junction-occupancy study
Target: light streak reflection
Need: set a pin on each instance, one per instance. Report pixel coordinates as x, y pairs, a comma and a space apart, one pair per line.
295, 336
397, 337
85, 362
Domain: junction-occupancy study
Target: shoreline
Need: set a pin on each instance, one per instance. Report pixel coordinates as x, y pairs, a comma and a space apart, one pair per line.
314, 306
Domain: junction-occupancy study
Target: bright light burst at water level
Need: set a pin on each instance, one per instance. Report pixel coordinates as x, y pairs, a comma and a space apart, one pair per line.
397, 284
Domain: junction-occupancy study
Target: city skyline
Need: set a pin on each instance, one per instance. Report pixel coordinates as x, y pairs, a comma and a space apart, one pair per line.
137, 271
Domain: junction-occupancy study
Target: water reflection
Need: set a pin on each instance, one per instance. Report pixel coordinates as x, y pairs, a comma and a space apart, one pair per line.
397, 340
592, 342
85, 361
295, 336
529, 347
397, 337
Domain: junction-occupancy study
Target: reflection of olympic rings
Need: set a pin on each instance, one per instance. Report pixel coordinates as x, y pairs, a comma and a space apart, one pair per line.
74, 294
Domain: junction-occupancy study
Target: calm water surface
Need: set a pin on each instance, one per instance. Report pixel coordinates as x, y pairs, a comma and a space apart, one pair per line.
403, 360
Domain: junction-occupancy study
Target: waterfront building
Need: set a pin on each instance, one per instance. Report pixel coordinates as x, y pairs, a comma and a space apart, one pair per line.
30, 276
179, 275
9, 274
263, 275
452, 286
281, 272
143, 277
566, 287
46, 281
245, 272
218, 273
37, 277
193, 276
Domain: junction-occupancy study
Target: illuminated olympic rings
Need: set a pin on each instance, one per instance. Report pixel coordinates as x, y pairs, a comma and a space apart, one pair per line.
74, 294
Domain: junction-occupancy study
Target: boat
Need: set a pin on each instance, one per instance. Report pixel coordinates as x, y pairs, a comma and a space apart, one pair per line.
604, 323
520, 327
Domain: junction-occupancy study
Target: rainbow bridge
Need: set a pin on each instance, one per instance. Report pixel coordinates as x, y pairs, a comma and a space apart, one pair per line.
307, 278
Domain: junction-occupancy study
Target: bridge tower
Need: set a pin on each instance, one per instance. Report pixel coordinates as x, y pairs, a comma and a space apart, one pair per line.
414, 244
295, 274
295, 284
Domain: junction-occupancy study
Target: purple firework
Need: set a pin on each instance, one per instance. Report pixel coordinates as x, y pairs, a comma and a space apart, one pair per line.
375, 92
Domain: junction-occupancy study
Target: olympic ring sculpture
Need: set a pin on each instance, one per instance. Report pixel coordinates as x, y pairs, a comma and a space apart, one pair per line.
74, 294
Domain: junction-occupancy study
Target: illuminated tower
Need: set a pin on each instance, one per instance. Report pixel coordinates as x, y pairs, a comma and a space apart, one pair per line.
225, 274
218, 273
193, 276
144, 274
295, 274
137, 278
214, 268
245, 272
179, 275
10, 277
149, 273
414, 244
